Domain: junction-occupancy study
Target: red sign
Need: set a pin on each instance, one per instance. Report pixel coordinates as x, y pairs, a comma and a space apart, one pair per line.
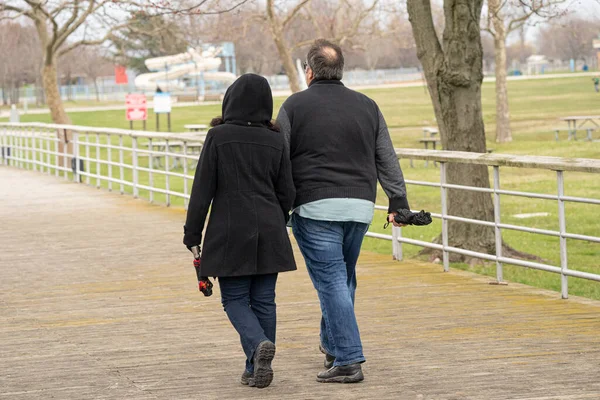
120, 75
136, 107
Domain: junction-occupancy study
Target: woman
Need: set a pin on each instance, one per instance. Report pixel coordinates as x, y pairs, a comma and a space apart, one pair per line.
245, 171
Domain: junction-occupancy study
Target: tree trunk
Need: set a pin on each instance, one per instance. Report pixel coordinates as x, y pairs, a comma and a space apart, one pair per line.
284, 53
57, 109
288, 64
503, 133
454, 75
96, 89
50, 82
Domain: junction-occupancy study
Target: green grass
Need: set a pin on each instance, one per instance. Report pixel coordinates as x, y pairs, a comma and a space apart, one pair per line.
535, 108
68, 104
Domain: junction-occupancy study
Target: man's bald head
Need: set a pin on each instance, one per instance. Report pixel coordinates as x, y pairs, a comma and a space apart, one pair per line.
326, 60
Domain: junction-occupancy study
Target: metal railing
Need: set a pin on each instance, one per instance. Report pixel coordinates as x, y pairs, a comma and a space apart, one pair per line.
128, 158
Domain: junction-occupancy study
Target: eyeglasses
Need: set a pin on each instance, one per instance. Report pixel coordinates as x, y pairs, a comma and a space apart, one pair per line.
304, 65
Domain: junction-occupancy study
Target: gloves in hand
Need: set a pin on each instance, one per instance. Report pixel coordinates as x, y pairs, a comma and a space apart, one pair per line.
408, 217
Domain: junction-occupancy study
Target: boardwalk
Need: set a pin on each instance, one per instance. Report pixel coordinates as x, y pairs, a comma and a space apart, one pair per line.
98, 301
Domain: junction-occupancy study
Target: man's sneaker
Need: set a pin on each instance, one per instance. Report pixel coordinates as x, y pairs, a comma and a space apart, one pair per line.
246, 377
345, 374
329, 359
263, 373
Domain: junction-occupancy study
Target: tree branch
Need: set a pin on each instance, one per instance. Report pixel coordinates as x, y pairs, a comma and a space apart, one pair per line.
20, 12
295, 11
357, 23
429, 48
159, 5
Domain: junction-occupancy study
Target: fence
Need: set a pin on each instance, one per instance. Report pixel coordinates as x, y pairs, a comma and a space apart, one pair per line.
126, 161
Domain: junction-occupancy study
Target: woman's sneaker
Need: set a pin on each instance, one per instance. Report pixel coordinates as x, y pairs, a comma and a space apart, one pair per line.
246, 377
329, 359
263, 373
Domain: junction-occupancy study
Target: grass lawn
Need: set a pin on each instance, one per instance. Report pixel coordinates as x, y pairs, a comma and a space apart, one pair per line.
536, 106
69, 104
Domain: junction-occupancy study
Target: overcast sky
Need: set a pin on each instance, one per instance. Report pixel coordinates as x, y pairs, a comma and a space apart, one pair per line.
585, 7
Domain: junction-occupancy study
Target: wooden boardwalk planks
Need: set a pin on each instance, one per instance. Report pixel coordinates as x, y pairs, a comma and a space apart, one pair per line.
98, 300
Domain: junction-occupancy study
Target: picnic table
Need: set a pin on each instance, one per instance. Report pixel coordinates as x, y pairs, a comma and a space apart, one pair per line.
196, 127
576, 122
426, 141
162, 146
430, 131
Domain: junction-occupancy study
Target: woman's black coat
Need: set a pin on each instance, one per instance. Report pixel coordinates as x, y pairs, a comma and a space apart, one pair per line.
245, 171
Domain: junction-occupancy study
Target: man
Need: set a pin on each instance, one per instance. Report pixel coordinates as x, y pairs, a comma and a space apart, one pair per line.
339, 147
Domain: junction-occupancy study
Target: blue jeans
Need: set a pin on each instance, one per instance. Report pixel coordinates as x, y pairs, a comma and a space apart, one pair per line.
330, 250
249, 302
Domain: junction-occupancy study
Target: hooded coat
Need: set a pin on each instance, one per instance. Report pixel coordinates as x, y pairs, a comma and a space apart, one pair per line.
245, 172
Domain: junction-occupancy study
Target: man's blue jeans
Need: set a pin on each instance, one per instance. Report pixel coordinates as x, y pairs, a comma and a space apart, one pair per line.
330, 250
249, 302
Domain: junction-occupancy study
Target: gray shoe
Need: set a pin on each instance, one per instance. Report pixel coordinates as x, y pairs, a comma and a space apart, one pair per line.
329, 359
344, 374
246, 377
263, 373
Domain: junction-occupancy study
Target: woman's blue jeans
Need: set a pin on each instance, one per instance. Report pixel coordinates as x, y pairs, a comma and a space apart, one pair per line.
331, 250
249, 302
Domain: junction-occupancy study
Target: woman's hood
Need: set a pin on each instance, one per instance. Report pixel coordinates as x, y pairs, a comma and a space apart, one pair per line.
249, 101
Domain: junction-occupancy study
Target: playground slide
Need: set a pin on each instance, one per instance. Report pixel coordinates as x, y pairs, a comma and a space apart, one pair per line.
171, 68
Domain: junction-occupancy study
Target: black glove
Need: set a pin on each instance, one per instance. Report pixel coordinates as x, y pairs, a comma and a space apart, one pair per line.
408, 217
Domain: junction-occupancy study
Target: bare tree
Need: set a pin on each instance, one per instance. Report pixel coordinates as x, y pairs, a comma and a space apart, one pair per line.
20, 61
453, 70
337, 21
94, 64
569, 38
59, 22
503, 18
278, 25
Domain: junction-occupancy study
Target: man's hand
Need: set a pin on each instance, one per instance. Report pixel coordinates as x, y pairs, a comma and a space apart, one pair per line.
391, 220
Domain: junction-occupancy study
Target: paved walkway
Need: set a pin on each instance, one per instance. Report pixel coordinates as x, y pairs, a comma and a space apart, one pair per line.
98, 300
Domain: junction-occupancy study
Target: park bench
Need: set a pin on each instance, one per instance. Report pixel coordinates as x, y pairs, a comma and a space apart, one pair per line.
175, 146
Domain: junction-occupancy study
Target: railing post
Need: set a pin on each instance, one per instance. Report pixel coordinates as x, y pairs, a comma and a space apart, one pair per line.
97, 161
25, 150
150, 166
22, 155
497, 230
167, 195
13, 152
185, 170
87, 157
56, 155
396, 245
564, 280
4, 146
48, 163
64, 154
76, 178
109, 156
121, 175
444, 193
134, 162
34, 154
